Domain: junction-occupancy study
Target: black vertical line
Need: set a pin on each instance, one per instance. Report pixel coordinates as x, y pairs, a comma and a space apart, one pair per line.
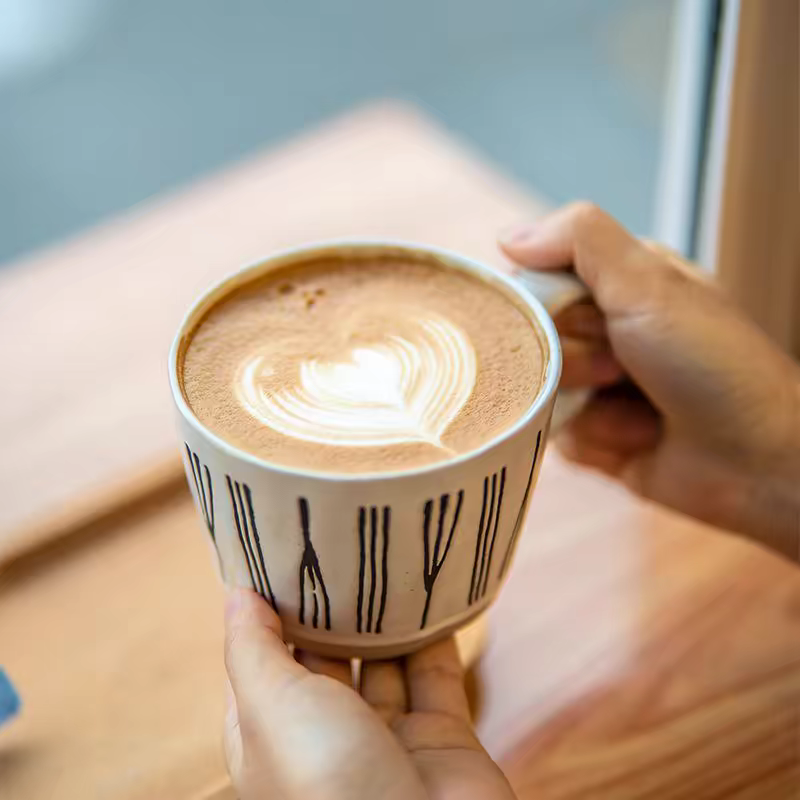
309, 566
198, 477
326, 603
444, 501
194, 477
248, 539
239, 531
494, 532
478, 541
387, 518
325, 599
428, 570
301, 614
486, 530
211, 525
425, 610
315, 614
202, 491
303, 506
194, 474
313, 581
452, 530
189, 454
249, 498
426, 543
373, 567
521, 514
362, 512
205, 502
305, 568
433, 565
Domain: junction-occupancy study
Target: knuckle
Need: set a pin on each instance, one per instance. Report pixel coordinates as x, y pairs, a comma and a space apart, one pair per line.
666, 283
434, 730
443, 672
387, 711
588, 217
409, 727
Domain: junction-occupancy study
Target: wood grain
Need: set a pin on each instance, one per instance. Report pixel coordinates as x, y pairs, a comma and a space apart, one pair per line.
115, 648
90, 512
648, 657
85, 399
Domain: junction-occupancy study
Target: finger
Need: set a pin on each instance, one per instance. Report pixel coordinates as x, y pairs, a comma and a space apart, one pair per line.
338, 670
258, 662
615, 265
230, 700
610, 462
586, 366
577, 232
232, 736
436, 681
384, 688
581, 321
301, 732
617, 419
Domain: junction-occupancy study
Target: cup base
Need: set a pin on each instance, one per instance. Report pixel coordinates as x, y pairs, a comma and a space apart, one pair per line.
470, 633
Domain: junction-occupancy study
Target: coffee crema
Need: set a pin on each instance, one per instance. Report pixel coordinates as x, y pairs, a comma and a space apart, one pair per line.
362, 364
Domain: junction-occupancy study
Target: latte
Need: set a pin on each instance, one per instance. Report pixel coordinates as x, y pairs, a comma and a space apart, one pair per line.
362, 364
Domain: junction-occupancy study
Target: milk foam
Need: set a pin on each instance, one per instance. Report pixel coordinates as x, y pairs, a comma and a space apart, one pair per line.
400, 389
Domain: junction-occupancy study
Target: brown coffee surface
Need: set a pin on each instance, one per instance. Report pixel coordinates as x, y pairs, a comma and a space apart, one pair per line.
362, 364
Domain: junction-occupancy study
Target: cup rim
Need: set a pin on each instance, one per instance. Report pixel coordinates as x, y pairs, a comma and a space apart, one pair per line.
526, 302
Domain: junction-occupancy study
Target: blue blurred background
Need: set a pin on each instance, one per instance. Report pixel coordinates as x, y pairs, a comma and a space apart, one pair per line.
104, 103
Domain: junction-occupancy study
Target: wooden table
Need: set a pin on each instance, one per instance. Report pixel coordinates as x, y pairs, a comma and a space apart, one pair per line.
638, 654
633, 653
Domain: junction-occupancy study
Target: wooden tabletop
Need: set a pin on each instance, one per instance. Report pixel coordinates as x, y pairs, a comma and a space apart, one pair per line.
636, 654
633, 653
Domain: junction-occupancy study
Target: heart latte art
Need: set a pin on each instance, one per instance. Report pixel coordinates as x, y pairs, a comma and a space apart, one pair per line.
361, 362
403, 388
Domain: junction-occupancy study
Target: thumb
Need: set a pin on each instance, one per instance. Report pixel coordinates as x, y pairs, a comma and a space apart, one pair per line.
256, 657
623, 274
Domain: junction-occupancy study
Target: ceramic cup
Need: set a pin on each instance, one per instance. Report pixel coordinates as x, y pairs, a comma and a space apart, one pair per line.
372, 565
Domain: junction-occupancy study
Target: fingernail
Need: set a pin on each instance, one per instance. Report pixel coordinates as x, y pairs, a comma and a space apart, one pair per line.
234, 601
519, 233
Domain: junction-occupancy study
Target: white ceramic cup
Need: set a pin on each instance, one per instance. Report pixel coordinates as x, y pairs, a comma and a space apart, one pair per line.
372, 565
